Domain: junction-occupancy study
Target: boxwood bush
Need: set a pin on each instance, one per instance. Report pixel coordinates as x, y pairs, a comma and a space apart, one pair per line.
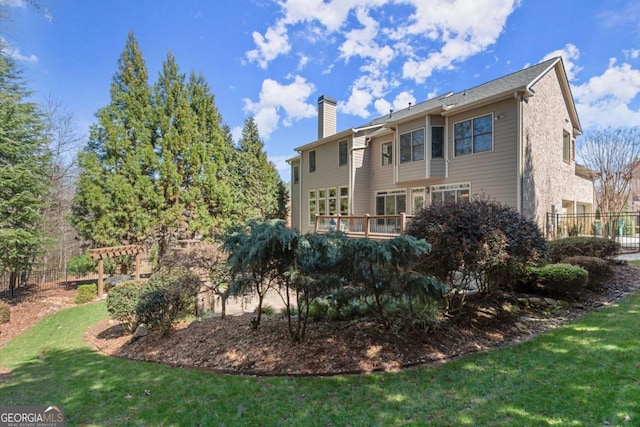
599, 269
173, 294
86, 293
561, 279
123, 299
591, 246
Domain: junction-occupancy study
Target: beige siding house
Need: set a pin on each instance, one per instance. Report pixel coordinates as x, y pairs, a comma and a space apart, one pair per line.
511, 139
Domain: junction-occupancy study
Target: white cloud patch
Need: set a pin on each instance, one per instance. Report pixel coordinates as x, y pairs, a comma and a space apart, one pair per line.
570, 54
278, 101
14, 52
462, 30
436, 36
13, 3
606, 100
274, 43
357, 104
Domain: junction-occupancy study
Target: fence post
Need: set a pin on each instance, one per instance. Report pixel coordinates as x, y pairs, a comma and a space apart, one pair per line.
367, 219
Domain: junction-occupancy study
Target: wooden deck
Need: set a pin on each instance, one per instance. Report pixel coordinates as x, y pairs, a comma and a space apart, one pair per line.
377, 227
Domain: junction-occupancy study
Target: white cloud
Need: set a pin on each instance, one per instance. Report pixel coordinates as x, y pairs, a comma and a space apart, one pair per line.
570, 53
632, 53
606, 100
436, 36
276, 100
274, 43
462, 30
357, 104
13, 3
382, 106
280, 162
14, 52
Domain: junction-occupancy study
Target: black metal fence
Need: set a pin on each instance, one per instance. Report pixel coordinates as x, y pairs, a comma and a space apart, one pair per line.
623, 227
13, 285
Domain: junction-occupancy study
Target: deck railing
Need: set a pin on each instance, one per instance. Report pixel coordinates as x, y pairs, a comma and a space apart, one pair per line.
369, 226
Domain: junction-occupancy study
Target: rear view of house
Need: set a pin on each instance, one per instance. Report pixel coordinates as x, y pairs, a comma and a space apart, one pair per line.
511, 139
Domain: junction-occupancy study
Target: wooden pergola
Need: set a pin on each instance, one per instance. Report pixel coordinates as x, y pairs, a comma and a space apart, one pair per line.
101, 253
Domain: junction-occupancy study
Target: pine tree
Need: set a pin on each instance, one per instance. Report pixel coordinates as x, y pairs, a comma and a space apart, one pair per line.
262, 192
115, 200
23, 171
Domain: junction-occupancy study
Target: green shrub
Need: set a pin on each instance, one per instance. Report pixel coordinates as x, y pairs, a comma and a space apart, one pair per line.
5, 313
268, 310
560, 279
159, 309
318, 309
82, 264
591, 246
123, 299
173, 294
478, 241
415, 314
599, 269
86, 293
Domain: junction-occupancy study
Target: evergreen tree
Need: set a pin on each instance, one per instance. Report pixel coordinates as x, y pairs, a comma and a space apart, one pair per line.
192, 151
262, 192
23, 171
115, 200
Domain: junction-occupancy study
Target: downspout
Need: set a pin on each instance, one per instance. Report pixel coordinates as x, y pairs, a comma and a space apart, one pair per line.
520, 162
300, 183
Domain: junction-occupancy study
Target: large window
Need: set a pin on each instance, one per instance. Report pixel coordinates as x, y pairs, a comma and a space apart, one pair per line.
412, 146
344, 200
450, 193
332, 194
437, 142
343, 151
387, 153
473, 136
312, 161
313, 209
391, 202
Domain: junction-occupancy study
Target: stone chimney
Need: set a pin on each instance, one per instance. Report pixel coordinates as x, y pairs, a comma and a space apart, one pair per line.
326, 116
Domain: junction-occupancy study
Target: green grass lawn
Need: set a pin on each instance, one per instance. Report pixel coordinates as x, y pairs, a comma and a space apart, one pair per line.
586, 374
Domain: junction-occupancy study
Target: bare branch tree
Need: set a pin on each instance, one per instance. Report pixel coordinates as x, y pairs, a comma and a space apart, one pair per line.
614, 155
64, 143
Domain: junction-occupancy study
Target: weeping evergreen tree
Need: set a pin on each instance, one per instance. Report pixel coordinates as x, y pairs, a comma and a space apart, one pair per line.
261, 191
23, 172
115, 201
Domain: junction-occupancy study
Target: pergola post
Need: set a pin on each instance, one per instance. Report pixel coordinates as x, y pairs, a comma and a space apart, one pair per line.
101, 253
100, 277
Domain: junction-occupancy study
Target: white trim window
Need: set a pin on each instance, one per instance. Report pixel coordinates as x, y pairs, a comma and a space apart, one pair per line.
387, 153
332, 198
344, 200
392, 202
412, 146
473, 135
417, 199
312, 161
343, 153
450, 192
437, 142
312, 207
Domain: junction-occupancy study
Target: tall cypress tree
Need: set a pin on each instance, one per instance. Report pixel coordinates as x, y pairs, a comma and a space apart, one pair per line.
115, 200
193, 152
262, 191
23, 172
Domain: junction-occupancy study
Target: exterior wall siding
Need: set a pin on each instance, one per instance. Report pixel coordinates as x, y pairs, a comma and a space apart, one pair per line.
492, 173
327, 175
547, 179
294, 197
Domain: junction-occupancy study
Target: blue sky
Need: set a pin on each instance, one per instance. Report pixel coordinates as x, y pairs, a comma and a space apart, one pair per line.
273, 59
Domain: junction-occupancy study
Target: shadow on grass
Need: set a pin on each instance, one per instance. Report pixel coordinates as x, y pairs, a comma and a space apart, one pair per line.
584, 374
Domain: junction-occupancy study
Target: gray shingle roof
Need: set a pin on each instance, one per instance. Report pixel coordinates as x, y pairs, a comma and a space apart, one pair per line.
509, 83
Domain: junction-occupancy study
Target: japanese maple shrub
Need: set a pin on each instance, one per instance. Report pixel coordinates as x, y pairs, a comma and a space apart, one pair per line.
476, 243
